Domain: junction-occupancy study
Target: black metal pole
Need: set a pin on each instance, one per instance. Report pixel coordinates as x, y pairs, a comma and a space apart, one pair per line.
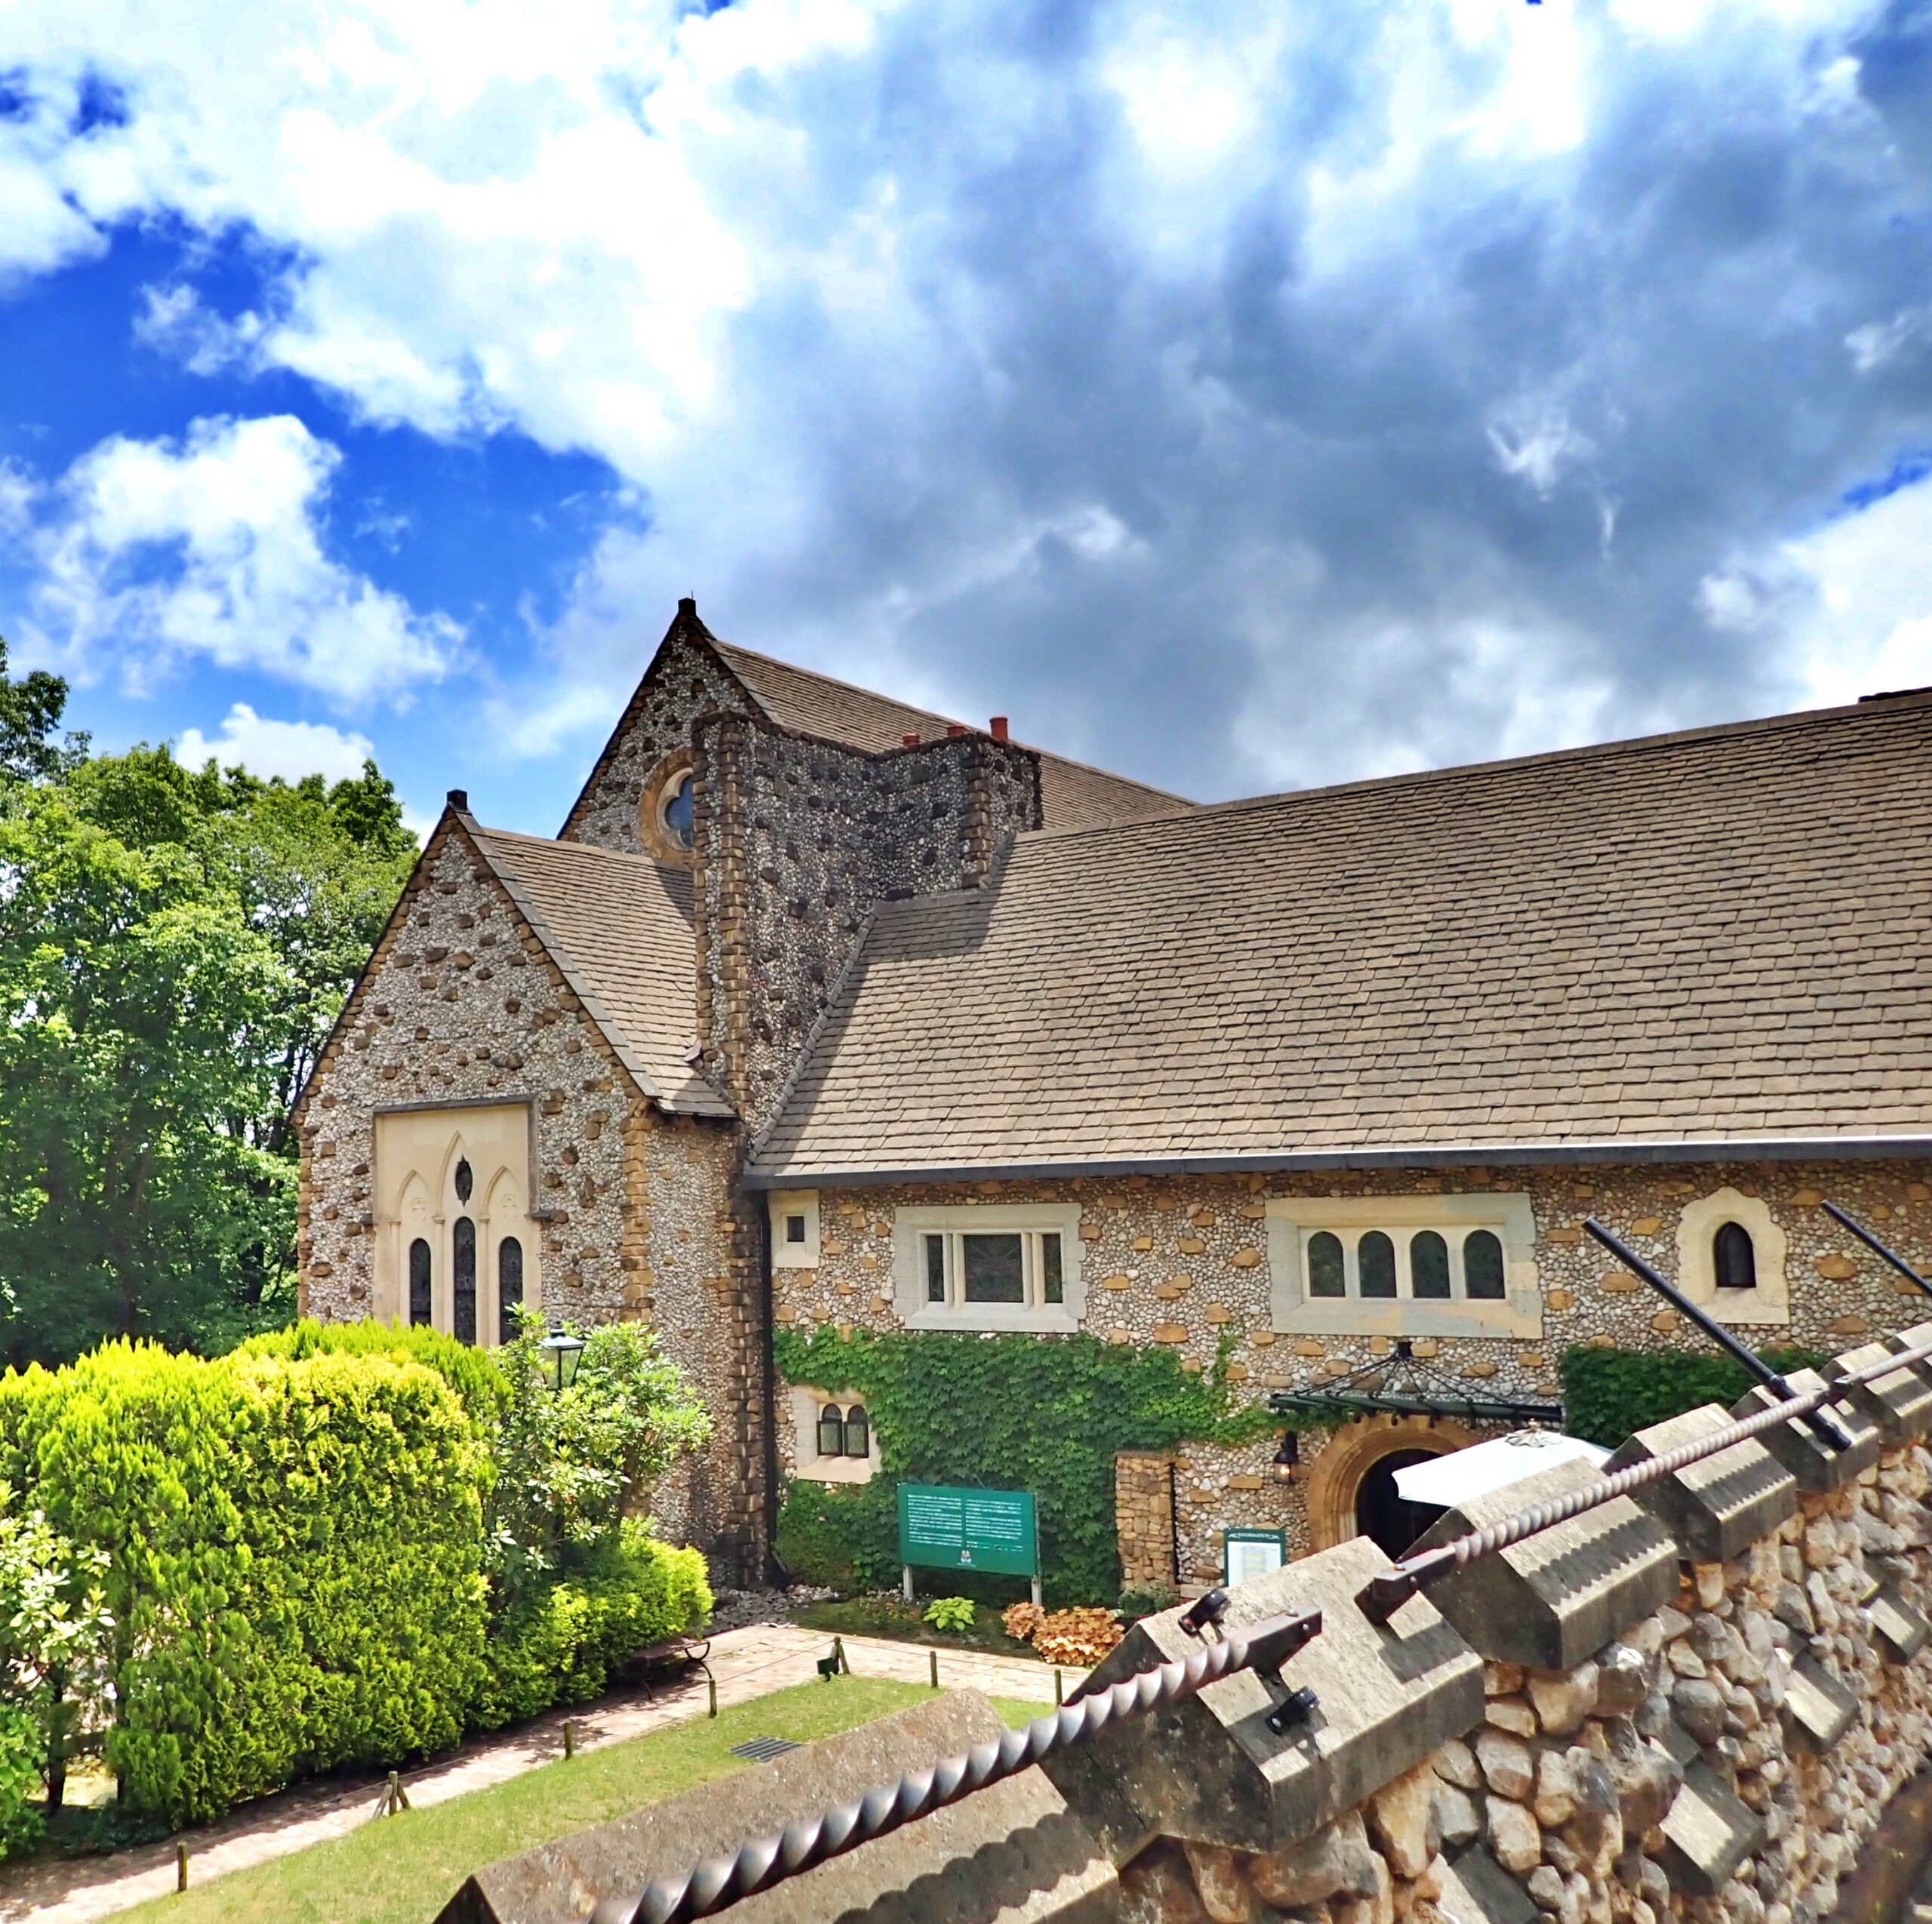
1872, 1242
1739, 1352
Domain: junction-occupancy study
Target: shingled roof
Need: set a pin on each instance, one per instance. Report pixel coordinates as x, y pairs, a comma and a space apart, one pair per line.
1071, 795
1715, 936
620, 925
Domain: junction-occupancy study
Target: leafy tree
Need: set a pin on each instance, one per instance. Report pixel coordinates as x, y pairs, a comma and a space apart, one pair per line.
174, 945
30, 711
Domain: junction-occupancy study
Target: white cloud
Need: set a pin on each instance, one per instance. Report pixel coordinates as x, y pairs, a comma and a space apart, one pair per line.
150, 553
1845, 610
266, 748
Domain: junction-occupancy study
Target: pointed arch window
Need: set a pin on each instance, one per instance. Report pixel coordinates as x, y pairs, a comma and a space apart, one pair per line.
463, 1325
419, 1284
509, 1287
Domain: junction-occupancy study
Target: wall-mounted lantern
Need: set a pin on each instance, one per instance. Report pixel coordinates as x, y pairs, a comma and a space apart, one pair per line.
1287, 1458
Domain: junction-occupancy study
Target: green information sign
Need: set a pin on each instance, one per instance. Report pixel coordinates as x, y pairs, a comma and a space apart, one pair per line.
968, 1529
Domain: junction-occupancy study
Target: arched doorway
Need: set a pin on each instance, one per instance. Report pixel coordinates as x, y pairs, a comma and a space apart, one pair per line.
1336, 1477
1382, 1514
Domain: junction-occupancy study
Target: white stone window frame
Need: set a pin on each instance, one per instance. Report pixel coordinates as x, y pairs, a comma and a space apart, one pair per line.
806, 1462
1768, 1305
784, 1205
911, 1226
1293, 1220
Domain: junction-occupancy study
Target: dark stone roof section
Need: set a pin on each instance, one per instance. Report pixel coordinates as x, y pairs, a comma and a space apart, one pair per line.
1719, 934
1071, 795
623, 925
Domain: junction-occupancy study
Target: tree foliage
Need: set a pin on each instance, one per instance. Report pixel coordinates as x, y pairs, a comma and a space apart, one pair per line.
174, 945
1608, 1394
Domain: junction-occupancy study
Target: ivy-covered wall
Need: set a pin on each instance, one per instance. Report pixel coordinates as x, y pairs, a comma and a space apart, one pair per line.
1043, 1414
1608, 1394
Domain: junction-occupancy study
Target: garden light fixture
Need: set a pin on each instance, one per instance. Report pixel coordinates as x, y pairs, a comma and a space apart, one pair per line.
564, 1350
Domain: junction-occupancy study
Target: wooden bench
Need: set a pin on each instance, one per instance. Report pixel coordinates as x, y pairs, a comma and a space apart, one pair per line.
678, 1653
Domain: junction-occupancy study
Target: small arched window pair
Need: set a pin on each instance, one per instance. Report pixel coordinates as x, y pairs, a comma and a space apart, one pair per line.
845, 1432
1733, 1261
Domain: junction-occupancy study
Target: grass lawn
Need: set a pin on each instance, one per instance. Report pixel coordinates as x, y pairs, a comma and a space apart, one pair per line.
403, 1870
882, 1616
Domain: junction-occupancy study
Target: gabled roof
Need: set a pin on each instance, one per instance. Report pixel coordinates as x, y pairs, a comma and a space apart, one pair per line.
1071, 795
619, 928
1720, 935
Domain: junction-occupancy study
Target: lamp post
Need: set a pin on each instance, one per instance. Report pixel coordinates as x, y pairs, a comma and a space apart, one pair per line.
563, 1349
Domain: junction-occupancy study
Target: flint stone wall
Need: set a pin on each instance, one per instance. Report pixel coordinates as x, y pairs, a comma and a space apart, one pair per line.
1183, 1263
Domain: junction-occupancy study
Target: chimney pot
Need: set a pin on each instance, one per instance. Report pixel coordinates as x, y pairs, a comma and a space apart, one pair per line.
909, 741
999, 728
460, 798
954, 730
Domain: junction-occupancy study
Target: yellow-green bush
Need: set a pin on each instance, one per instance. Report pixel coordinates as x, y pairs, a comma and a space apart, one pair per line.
294, 1549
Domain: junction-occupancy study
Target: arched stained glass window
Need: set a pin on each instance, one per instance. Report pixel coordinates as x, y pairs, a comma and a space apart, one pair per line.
1733, 1261
1375, 1262
1482, 1267
1324, 1265
463, 1321
1429, 1266
419, 1284
509, 1287
858, 1431
831, 1430
680, 813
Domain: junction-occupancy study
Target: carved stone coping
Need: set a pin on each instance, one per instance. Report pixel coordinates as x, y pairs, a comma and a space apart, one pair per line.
1707, 1833
1716, 1509
1008, 1854
1899, 1402
1800, 1448
1477, 1890
1558, 1597
1209, 1771
1901, 1630
1818, 1709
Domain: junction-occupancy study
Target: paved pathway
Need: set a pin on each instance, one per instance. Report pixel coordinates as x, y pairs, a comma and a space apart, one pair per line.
748, 1663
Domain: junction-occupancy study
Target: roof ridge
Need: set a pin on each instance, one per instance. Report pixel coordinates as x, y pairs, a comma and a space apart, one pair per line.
946, 721
1631, 745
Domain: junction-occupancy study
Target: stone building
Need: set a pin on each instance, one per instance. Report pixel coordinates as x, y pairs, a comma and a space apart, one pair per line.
824, 1009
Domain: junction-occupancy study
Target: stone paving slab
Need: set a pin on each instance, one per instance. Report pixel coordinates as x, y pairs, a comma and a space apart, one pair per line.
749, 1663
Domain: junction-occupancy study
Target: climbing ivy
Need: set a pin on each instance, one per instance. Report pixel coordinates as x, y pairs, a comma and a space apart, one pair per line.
1608, 1393
1008, 1411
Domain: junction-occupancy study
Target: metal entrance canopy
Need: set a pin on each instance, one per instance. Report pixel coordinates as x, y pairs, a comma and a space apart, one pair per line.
1403, 1384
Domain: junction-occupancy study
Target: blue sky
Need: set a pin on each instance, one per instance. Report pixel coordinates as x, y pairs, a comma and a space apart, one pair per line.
1242, 395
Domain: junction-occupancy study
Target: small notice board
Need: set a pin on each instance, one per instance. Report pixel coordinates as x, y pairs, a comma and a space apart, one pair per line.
1247, 1554
968, 1529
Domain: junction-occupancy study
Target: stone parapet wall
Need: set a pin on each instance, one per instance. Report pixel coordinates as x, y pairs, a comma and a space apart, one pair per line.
1721, 1759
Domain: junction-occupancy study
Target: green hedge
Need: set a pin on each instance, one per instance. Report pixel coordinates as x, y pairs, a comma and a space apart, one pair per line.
295, 1550
1011, 1411
561, 1646
472, 1373
1608, 1393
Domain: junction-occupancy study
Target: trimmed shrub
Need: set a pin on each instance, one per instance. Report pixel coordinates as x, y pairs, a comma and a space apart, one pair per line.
1609, 1394
472, 1373
294, 1549
23, 1753
559, 1645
